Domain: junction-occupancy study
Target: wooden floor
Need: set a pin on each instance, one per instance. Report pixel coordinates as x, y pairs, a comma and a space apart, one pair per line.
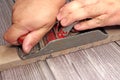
98, 63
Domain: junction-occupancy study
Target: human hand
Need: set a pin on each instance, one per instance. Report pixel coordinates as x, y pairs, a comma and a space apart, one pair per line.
99, 12
34, 18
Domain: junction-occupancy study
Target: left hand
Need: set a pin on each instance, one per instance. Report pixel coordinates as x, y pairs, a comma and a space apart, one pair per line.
34, 18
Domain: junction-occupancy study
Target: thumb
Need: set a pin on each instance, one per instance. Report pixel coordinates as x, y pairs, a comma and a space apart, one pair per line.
33, 38
14, 32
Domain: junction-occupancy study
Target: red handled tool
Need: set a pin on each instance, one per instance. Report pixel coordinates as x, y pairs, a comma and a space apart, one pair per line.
60, 38
21, 39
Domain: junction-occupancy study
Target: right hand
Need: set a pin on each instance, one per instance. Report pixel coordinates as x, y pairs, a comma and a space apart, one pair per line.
99, 13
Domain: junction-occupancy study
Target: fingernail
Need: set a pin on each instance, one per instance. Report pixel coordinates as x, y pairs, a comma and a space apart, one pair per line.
80, 27
64, 21
77, 27
27, 49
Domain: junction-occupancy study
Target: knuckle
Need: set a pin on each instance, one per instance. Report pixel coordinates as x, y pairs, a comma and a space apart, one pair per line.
21, 22
5, 37
88, 23
99, 21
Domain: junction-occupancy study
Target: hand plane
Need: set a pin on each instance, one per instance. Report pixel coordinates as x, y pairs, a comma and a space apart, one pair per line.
60, 38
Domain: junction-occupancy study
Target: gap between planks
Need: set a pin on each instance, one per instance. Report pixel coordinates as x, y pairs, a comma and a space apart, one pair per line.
35, 71
118, 43
98, 63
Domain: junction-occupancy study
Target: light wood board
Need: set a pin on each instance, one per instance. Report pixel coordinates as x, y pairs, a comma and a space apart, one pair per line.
98, 63
34, 71
9, 57
118, 42
0, 76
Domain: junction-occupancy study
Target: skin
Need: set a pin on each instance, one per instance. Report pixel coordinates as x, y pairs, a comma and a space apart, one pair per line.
34, 18
99, 12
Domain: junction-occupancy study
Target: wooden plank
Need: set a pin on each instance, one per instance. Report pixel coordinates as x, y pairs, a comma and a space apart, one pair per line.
9, 58
62, 69
34, 71
99, 63
118, 42
65, 69
46, 70
106, 59
0, 76
5, 17
8, 55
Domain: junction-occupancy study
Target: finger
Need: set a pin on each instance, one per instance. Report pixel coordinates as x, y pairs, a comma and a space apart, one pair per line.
33, 38
93, 23
81, 13
77, 15
68, 8
72, 6
13, 33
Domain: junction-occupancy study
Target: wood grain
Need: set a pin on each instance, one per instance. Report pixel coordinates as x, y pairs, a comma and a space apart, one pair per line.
118, 42
106, 61
5, 17
34, 71
8, 55
74, 66
46, 70
0, 76
98, 63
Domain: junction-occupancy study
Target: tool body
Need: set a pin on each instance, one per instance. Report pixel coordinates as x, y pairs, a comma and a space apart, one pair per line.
60, 38
78, 41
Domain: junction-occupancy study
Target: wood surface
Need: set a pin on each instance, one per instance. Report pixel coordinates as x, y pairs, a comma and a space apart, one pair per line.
5, 18
34, 71
97, 63
118, 42
0, 76
8, 55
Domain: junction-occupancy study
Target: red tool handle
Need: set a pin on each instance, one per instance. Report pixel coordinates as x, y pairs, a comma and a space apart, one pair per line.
21, 39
